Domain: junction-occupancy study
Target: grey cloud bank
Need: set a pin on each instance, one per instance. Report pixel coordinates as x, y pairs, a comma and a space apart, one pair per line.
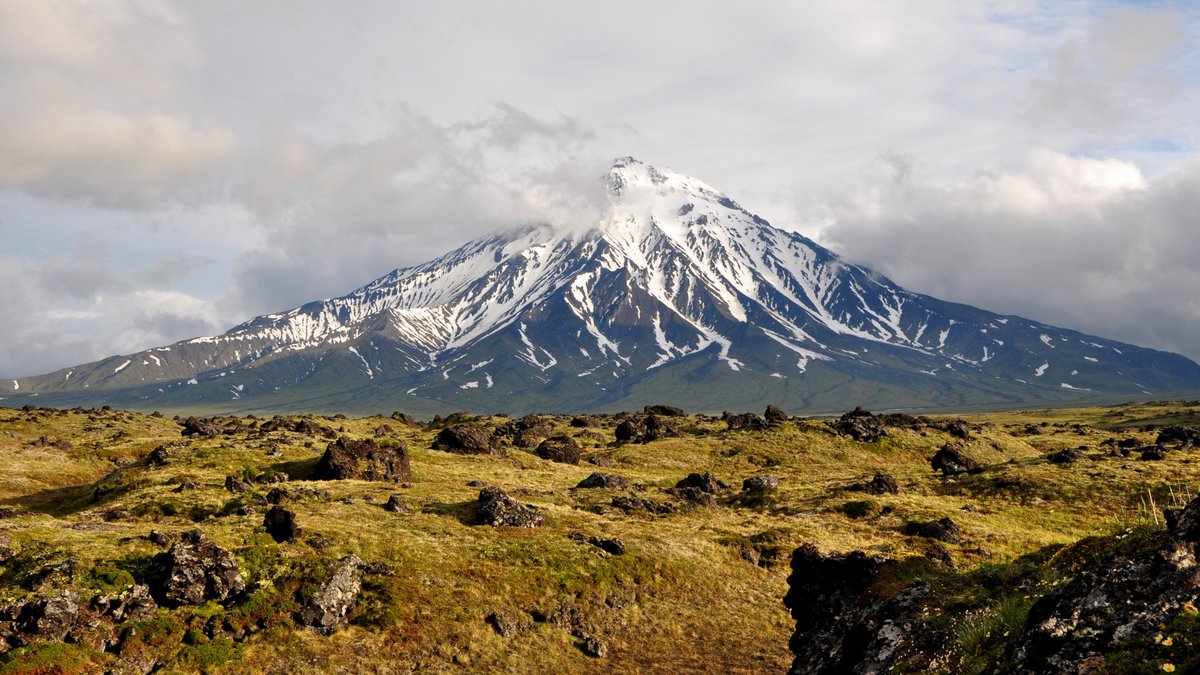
169, 169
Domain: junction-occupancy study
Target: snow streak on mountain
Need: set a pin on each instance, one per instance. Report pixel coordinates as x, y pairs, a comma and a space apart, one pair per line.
678, 295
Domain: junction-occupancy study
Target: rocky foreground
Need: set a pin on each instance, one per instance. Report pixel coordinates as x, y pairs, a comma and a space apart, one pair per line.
1044, 542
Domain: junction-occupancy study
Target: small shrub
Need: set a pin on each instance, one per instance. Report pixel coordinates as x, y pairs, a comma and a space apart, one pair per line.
861, 508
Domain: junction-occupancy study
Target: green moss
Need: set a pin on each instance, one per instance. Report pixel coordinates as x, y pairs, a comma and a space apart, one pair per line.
106, 577
49, 658
208, 654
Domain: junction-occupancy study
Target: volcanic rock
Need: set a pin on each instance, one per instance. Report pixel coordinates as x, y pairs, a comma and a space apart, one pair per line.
467, 439
326, 610
348, 459
195, 571
952, 462
496, 507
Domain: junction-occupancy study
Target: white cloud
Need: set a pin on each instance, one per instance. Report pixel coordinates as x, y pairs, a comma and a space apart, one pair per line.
63, 311
1073, 241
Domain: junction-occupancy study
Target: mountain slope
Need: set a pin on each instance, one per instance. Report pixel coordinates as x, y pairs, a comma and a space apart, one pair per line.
679, 294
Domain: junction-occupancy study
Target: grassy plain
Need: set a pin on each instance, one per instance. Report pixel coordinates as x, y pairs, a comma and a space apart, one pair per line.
697, 590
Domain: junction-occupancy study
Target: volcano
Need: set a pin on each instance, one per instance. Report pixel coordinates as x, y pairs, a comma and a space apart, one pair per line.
677, 295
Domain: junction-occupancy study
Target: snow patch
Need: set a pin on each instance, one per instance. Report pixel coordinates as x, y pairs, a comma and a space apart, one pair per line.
192, 381
530, 356
1064, 385
367, 366
122, 366
1041, 369
474, 384
1046, 340
1092, 359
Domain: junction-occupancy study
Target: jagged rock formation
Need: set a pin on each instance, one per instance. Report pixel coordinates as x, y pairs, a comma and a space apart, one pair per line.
1120, 604
195, 570
841, 627
328, 607
364, 460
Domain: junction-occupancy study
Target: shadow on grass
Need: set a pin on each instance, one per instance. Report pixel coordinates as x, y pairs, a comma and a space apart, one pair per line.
67, 500
301, 469
463, 512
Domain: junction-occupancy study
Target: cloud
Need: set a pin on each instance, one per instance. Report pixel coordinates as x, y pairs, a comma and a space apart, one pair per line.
70, 309
1099, 79
346, 214
95, 108
1078, 242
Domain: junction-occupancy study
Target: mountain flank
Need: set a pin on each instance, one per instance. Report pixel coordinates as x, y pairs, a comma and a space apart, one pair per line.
678, 293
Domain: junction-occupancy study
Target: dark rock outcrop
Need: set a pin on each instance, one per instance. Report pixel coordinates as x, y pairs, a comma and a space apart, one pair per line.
1120, 603
497, 507
1065, 456
761, 484
744, 421
862, 425
1153, 453
644, 429
594, 647
396, 504
628, 431
951, 461
704, 482
197, 427
348, 459
774, 416
634, 504
881, 484
504, 623
693, 495
844, 624
327, 609
943, 529
281, 524
561, 449
604, 480
610, 545
237, 485
467, 439
64, 616
664, 410
1184, 437
195, 570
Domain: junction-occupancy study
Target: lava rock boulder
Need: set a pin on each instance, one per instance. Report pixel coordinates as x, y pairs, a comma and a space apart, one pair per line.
467, 439
498, 508
194, 571
348, 459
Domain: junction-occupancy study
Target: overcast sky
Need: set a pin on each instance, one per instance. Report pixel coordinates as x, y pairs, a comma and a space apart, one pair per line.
169, 169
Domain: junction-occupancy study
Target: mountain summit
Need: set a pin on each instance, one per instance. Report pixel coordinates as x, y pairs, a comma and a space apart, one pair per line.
679, 294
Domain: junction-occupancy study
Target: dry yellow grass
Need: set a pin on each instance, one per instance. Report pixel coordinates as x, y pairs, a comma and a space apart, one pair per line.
682, 599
